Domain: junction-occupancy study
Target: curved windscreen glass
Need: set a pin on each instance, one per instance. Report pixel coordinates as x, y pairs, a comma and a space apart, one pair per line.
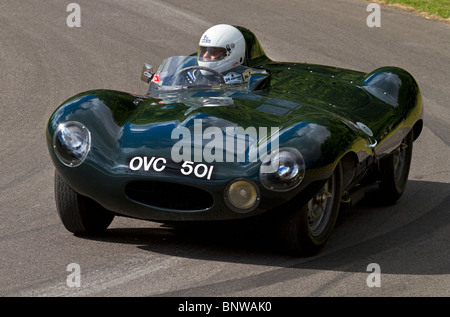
172, 66
181, 72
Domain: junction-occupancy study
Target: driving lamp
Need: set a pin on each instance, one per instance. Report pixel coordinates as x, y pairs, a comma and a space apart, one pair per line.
243, 195
282, 170
71, 143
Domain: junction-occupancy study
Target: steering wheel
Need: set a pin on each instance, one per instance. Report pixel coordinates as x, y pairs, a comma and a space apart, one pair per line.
215, 72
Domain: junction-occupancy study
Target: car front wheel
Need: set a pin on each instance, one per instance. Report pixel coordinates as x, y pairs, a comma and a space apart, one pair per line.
306, 230
79, 214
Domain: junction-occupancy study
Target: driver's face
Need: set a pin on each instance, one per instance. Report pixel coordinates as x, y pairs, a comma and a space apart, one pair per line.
212, 54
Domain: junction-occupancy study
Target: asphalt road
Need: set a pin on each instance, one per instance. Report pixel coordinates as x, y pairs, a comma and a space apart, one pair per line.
44, 62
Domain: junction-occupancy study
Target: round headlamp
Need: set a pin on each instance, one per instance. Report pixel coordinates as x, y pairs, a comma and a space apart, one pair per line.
71, 142
282, 170
242, 195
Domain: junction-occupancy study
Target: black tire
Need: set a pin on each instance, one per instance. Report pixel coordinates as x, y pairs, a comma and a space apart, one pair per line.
304, 231
79, 214
394, 171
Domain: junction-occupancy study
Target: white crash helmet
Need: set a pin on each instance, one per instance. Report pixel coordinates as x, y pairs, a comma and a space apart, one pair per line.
221, 47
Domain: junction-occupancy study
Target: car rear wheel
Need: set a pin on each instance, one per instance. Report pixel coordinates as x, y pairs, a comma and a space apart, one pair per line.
306, 230
394, 172
79, 214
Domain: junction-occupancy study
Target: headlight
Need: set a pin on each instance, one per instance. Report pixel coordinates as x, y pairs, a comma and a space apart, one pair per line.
71, 142
282, 170
242, 195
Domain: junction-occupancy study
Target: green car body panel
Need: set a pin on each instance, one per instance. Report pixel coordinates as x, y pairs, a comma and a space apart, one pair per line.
324, 112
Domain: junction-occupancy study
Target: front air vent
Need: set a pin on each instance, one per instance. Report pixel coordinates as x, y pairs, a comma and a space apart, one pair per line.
169, 195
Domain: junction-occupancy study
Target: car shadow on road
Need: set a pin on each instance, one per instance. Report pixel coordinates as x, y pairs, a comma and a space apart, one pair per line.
410, 237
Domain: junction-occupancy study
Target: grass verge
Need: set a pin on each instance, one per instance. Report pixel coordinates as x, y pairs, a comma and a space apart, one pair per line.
430, 9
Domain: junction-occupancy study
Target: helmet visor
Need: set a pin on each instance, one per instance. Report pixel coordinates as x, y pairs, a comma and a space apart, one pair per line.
210, 54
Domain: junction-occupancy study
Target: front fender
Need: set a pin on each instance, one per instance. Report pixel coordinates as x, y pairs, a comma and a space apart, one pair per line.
394, 86
324, 139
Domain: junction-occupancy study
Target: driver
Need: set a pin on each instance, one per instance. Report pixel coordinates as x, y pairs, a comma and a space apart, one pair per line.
221, 48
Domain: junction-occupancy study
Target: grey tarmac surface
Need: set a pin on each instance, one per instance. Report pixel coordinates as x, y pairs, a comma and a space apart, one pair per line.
44, 62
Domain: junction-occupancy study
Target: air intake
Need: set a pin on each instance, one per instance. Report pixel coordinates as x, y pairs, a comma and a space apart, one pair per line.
169, 195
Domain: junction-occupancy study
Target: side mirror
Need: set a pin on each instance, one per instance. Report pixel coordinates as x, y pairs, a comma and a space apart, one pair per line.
147, 73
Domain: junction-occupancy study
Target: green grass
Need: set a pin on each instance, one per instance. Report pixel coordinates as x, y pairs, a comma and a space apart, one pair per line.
439, 8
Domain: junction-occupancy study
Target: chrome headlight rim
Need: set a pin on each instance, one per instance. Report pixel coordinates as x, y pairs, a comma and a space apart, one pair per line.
71, 156
232, 205
271, 177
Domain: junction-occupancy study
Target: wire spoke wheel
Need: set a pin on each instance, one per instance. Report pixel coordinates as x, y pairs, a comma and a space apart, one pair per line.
319, 208
306, 229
